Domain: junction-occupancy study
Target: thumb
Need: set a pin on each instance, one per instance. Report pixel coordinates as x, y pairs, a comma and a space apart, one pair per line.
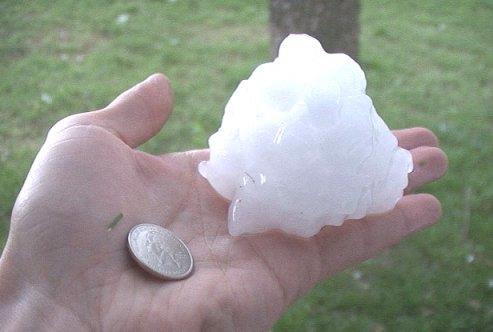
135, 116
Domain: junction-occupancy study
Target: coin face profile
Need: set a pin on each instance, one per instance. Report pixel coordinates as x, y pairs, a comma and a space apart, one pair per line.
160, 252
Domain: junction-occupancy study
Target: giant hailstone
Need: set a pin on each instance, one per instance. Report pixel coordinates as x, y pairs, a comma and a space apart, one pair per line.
301, 146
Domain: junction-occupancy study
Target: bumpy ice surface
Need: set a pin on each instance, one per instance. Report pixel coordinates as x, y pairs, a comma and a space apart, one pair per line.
301, 146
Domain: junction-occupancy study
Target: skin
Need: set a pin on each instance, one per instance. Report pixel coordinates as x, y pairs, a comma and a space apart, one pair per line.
61, 268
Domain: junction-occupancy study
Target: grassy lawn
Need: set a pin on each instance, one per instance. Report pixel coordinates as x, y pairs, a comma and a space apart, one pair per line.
428, 63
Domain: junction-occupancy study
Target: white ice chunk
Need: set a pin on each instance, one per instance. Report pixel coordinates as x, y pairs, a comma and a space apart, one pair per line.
301, 146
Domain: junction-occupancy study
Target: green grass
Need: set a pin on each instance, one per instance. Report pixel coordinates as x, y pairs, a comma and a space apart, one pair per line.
428, 63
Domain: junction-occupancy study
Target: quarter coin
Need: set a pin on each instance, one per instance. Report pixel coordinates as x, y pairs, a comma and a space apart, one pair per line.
160, 252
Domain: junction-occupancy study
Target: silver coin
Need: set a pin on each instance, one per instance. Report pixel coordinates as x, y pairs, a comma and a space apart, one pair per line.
160, 252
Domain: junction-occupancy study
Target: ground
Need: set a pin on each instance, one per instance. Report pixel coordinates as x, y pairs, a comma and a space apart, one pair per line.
428, 63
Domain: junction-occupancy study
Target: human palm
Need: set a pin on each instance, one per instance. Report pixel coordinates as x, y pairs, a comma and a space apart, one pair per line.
89, 171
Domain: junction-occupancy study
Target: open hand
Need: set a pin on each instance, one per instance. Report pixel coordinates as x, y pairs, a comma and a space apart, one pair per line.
62, 268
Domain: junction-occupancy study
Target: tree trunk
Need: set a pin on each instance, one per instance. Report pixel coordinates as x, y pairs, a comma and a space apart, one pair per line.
335, 23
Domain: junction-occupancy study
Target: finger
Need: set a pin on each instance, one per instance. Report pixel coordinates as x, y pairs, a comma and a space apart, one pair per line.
430, 164
139, 113
358, 240
413, 137
189, 159
135, 116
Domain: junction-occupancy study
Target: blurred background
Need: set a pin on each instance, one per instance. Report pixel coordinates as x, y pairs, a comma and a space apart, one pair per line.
428, 63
